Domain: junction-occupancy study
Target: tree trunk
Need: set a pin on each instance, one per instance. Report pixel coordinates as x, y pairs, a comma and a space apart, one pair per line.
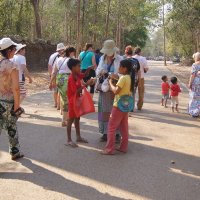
78, 26
38, 26
107, 19
95, 21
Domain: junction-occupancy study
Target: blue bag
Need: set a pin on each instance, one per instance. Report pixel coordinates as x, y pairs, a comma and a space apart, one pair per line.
126, 103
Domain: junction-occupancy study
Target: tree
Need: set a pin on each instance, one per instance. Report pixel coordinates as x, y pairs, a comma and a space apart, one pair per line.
38, 26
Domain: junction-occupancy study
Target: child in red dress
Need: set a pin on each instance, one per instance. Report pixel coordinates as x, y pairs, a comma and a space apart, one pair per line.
165, 91
75, 87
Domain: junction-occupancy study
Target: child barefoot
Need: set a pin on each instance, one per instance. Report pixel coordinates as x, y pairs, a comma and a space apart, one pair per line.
74, 88
165, 91
175, 90
119, 119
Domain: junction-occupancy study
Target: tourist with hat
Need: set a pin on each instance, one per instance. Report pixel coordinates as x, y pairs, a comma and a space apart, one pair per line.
52, 62
19, 60
108, 66
9, 96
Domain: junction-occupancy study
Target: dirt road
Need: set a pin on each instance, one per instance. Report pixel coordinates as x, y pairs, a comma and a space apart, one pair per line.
163, 162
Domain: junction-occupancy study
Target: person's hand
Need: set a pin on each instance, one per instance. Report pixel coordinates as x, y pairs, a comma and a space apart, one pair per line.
30, 80
79, 91
190, 86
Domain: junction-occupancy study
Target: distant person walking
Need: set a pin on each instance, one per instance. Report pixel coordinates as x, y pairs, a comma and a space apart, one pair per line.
20, 60
143, 69
52, 61
194, 85
109, 64
88, 63
61, 73
9, 96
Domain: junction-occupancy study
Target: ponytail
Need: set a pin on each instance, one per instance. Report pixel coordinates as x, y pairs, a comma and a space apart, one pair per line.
131, 71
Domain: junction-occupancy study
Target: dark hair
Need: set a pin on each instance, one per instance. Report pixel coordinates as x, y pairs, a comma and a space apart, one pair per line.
129, 66
87, 46
129, 50
4, 52
73, 62
164, 77
97, 51
138, 50
174, 80
69, 50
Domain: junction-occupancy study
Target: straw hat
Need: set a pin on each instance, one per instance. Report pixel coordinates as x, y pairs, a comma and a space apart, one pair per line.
6, 43
60, 46
109, 48
19, 47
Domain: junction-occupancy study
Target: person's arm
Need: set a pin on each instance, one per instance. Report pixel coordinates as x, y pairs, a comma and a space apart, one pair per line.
50, 69
15, 88
53, 78
191, 81
94, 62
115, 89
146, 68
27, 73
100, 68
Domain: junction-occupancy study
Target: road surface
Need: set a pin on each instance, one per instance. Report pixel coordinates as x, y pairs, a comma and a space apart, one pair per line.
163, 161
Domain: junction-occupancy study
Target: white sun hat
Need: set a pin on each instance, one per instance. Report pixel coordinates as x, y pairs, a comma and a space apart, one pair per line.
60, 46
19, 47
6, 43
109, 48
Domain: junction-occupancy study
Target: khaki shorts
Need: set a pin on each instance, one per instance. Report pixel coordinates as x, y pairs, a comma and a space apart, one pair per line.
174, 101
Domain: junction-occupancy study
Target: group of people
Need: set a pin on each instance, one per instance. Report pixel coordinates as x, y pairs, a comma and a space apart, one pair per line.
116, 79
98, 71
172, 91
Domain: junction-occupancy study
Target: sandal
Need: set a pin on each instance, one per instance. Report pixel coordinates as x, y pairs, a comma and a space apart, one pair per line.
17, 156
105, 153
72, 144
82, 140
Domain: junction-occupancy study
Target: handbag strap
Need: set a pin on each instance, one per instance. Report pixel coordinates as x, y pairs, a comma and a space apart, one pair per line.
109, 67
62, 64
84, 56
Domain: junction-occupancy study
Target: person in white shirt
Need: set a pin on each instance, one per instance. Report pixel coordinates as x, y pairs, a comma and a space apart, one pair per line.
143, 69
20, 61
52, 61
61, 73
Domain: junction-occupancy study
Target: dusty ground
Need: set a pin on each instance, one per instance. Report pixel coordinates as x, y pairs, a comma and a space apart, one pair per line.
182, 72
162, 162
40, 82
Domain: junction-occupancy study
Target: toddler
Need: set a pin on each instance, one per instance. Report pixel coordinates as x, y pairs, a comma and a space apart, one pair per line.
165, 91
175, 90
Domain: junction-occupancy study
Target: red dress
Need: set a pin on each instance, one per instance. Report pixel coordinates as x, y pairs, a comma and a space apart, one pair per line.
73, 86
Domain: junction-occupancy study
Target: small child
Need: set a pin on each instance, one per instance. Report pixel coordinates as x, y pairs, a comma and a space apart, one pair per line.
74, 88
165, 91
119, 119
175, 90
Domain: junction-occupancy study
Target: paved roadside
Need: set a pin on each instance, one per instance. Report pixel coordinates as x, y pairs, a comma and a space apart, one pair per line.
157, 137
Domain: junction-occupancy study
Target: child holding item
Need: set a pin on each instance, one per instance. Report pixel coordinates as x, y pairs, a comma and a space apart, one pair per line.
119, 119
175, 90
74, 88
165, 91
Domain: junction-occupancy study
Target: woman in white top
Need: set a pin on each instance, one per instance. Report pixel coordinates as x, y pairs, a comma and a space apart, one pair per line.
20, 61
109, 63
61, 73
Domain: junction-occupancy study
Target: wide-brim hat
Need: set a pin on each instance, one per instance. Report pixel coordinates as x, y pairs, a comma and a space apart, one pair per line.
19, 47
60, 47
6, 43
109, 48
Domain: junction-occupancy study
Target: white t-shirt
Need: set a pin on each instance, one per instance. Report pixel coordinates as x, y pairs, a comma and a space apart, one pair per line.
143, 64
62, 66
52, 59
20, 62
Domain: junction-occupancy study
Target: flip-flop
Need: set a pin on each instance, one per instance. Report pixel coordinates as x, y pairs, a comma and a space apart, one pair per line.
82, 140
71, 144
17, 156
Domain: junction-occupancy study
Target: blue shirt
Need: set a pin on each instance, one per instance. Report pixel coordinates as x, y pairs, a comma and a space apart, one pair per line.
86, 59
